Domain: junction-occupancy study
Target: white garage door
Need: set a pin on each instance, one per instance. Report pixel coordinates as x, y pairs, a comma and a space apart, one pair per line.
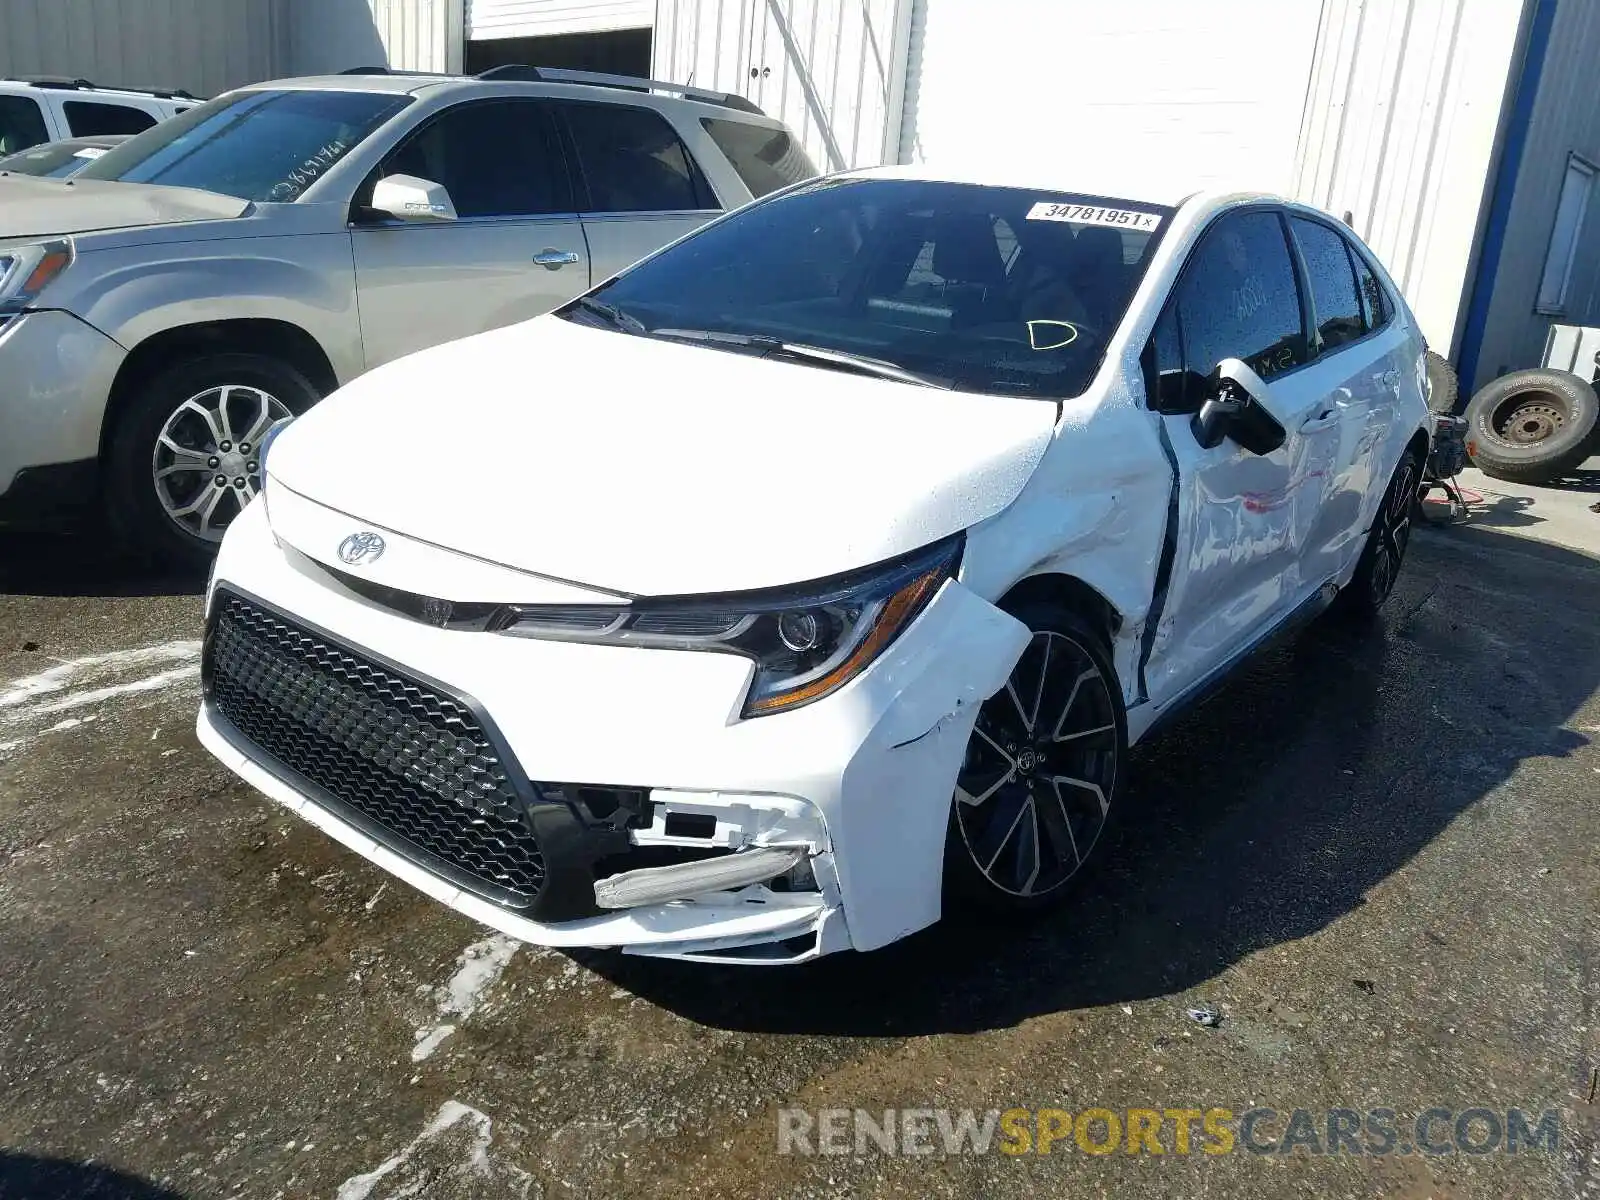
547, 18
1134, 95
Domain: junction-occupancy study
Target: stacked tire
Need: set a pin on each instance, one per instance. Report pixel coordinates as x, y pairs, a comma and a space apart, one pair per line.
1533, 426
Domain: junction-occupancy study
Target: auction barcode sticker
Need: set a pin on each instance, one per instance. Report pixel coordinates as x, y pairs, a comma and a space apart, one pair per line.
1094, 214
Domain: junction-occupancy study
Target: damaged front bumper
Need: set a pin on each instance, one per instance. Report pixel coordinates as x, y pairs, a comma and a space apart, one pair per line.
769, 840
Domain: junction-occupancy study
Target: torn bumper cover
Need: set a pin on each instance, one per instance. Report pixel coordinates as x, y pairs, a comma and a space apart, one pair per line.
768, 840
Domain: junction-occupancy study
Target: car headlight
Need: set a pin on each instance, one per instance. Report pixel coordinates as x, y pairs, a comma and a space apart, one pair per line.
25, 271
806, 641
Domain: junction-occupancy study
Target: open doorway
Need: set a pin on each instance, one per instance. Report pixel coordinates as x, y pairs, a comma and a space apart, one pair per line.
616, 52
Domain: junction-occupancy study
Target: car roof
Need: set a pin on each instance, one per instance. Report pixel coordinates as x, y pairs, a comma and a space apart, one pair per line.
587, 85
83, 88
392, 85
1109, 181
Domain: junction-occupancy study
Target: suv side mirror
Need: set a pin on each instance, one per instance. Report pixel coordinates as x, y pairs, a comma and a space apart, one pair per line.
1235, 406
408, 198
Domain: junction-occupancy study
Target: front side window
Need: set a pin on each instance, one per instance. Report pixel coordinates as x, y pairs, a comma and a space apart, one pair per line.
21, 124
496, 159
633, 161
1331, 276
765, 159
1237, 298
984, 289
265, 146
88, 119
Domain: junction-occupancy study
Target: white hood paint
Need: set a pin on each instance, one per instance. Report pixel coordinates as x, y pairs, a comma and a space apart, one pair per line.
657, 468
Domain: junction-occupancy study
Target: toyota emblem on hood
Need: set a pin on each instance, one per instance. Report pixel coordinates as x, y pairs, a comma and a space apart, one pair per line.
361, 548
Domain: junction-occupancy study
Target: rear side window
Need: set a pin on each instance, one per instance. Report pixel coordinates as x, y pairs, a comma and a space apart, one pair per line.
496, 159
633, 161
766, 159
1375, 310
21, 124
1332, 279
88, 119
1237, 298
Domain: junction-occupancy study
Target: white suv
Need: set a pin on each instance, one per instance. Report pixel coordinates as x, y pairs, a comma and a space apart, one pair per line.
229, 267
817, 572
48, 108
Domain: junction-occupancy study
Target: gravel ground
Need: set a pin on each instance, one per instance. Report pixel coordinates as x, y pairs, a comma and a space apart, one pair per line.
1375, 856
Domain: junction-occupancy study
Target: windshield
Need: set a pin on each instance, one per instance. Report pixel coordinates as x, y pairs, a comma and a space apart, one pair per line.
57, 159
989, 289
262, 146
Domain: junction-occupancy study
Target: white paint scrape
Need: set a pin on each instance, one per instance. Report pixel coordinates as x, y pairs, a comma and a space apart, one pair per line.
477, 969
474, 1164
150, 683
58, 677
27, 704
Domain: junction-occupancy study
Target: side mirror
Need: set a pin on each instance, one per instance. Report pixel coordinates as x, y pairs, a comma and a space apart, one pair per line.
408, 198
1235, 406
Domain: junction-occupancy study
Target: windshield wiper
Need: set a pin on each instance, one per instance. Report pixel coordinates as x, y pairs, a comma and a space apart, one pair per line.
840, 360
611, 315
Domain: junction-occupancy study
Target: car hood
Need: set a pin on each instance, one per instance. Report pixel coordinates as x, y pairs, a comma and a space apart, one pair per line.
656, 468
31, 207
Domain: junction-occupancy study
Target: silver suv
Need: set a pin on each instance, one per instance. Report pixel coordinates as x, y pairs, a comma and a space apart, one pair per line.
163, 307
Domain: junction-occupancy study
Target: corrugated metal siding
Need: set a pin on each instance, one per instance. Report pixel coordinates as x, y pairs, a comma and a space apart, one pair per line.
909, 149
333, 35
1142, 95
1566, 120
824, 67
206, 46
542, 18
1399, 128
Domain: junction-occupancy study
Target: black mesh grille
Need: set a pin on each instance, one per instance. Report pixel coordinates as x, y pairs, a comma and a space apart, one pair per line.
416, 764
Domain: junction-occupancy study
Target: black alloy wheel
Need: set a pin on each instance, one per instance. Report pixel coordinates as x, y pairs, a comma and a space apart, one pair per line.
1041, 771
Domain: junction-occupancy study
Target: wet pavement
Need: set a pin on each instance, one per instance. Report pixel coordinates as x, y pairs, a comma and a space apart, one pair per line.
1378, 857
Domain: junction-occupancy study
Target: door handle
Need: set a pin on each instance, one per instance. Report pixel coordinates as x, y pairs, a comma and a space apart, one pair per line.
552, 259
1325, 419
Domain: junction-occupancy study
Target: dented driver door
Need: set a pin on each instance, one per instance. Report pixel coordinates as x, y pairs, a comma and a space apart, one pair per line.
1242, 520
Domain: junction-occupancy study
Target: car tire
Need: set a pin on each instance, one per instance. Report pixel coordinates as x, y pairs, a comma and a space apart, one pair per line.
1020, 845
1443, 386
1532, 426
165, 453
1387, 541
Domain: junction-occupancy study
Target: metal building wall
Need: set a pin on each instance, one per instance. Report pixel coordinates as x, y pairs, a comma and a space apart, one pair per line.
553, 18
206, 46
1565, 120
1402, 115
334, 35
828, 68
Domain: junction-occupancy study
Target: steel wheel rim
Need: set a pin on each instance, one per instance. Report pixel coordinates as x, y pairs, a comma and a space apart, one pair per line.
204, 466
1532, 419
1035, 787
1394, 531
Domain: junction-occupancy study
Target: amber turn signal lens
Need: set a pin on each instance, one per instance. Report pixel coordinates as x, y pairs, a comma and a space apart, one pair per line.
897, 613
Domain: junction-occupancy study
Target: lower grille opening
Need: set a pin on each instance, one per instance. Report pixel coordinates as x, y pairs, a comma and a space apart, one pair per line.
410, 764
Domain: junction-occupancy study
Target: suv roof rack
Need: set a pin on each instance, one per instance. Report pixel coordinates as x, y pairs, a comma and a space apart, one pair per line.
531, 74
67, 83
381, 70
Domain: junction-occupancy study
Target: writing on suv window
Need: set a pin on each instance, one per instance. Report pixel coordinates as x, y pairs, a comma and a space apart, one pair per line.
265, 146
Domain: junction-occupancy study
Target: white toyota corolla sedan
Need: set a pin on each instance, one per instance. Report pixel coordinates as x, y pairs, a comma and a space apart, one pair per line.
812, 577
